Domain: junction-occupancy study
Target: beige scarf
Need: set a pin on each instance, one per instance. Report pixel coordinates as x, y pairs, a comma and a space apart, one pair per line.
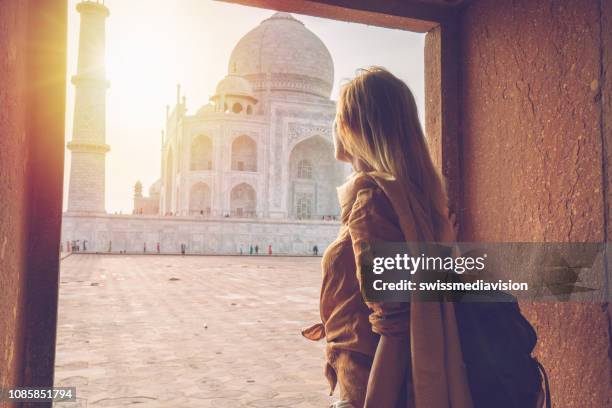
439, 377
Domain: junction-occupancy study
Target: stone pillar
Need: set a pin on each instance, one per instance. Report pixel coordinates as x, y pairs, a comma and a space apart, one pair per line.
534, 161
88, 146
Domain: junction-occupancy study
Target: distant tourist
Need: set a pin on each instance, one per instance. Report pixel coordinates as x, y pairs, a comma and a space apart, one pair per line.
183, 249
270, 249
144, 247
110, 246
240, 249
158, 248
256, 249
251, 250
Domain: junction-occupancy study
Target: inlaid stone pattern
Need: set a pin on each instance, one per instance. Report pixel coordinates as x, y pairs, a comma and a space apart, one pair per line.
300, 131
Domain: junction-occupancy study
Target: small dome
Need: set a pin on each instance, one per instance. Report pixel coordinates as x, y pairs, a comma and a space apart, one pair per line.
209, 107
234, 85
155, 188
293, 57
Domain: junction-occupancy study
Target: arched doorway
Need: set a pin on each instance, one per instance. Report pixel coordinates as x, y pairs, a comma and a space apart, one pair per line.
199, 199
244, 154
201, 153
243, 201
303, 207
314, 175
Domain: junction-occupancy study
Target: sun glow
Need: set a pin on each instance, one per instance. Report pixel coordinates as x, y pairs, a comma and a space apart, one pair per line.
142, 72
152, 45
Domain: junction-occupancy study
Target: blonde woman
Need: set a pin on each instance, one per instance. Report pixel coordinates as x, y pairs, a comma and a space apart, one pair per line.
386, 354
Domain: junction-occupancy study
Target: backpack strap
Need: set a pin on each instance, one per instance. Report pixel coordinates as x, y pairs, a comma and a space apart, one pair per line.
546, 384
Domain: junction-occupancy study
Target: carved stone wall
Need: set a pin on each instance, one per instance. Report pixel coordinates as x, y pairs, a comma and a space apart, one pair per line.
533, 167
201, 235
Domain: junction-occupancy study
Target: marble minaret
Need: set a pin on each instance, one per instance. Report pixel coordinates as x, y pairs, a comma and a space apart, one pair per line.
88, 147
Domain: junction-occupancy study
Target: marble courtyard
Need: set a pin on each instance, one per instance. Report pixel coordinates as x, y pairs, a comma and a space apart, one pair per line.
192, 331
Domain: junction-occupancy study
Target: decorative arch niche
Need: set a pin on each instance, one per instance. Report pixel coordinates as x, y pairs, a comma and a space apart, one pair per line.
243, 201
314, 175
244, 154
201, 153
199, 199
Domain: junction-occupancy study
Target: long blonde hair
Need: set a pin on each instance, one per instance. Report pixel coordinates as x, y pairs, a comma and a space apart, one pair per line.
378, 124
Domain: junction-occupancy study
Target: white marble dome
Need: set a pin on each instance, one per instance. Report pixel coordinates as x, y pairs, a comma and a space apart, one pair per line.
283, 54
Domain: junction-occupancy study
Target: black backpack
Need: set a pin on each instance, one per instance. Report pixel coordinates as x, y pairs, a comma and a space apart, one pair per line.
497, 342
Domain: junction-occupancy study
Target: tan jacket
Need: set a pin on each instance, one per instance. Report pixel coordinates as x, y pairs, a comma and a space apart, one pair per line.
375, 207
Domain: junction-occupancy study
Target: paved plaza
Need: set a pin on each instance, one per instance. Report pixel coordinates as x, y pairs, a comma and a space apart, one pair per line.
191, 331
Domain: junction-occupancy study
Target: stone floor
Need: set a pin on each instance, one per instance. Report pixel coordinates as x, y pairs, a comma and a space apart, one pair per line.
172, 331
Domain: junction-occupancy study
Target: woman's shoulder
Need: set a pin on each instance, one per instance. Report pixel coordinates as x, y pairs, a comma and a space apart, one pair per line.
362, 192
358, 182
372, 214
369, 185
369, 194
362, 180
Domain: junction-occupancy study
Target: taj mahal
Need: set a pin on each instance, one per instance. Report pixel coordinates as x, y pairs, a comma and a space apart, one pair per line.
254, 166
262, 147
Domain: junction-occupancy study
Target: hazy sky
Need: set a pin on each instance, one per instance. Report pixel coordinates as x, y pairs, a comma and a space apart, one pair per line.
152, 45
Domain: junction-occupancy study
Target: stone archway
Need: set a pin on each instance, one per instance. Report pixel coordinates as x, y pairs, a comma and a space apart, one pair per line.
200, 157
199, 199
244, 154
314, 175
243, 201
